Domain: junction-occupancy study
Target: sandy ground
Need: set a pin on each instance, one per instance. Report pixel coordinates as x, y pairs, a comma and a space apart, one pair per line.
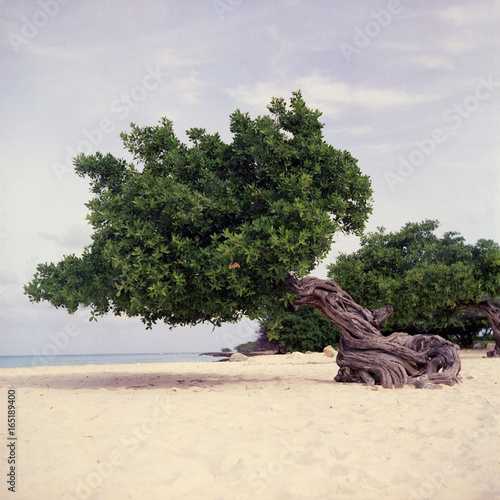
275, 427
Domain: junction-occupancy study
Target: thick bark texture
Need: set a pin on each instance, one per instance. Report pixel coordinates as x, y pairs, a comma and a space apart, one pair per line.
365, 355
493, 315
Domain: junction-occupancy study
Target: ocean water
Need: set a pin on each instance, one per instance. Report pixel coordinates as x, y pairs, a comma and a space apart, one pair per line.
103, 359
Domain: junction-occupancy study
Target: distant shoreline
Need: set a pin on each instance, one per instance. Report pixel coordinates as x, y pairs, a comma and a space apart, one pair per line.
223, 354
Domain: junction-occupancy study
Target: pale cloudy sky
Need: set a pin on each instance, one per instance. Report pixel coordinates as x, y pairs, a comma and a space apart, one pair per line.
410, 88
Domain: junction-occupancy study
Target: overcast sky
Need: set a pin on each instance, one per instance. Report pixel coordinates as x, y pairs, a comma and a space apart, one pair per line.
411, 89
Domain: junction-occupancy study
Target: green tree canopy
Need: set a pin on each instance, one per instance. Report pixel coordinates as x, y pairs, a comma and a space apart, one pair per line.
208, 231
425, 278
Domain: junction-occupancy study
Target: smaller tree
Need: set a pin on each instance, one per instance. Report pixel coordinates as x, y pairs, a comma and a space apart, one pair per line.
246, 347
305, 330
463, 328
429, 281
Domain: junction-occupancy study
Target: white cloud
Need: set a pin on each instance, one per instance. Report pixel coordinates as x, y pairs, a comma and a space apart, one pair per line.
361, 130
190, 87
340, 93
330, 96
466, 15
8, 277
168, 58
259, 94
434, 61
75, 238
458, 44
474, 25
357, 130
63, 54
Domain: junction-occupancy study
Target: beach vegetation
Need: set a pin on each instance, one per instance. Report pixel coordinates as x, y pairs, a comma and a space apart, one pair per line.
214, 232
246, 347
436, 285
305, 330
208, 231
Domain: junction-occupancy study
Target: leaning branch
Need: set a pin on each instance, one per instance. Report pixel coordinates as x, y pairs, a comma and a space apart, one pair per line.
365, 355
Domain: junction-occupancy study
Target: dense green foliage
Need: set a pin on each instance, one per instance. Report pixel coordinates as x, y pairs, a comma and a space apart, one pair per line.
208, 231
304, 330
424, 277
246, 347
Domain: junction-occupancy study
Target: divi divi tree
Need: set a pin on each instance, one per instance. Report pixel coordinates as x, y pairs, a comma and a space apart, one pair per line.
427, 279
214, 232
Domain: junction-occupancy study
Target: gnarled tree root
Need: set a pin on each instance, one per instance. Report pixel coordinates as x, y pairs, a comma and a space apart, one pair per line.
365, 355
391, 365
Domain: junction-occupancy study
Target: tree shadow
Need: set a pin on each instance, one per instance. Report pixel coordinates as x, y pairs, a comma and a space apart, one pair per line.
143, 381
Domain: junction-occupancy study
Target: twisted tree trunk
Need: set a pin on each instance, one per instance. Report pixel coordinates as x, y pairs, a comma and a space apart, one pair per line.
365, 355
493, 315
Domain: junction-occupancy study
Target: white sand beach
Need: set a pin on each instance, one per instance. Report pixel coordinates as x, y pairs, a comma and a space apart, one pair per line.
273, 427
